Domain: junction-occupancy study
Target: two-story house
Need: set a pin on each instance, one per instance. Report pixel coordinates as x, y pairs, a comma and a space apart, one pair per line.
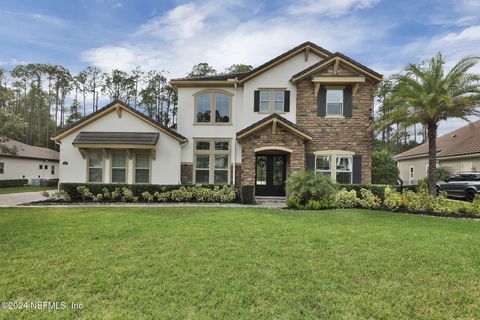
305, 109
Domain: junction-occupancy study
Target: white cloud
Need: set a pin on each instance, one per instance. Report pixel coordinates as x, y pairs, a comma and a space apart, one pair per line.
328, 7
213, 33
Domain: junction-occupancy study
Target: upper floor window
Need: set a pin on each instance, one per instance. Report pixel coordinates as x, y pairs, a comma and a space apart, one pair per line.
334, 102
2, 167
272, 100
213, 107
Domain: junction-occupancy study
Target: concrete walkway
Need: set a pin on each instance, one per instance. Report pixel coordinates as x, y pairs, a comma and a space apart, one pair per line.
14, 199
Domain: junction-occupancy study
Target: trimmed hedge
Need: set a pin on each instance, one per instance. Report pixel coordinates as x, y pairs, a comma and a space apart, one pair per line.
247, 194
376, 189
13, 183
49, 183
136, 189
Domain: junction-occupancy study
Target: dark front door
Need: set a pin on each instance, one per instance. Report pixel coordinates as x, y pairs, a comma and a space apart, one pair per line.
270, 174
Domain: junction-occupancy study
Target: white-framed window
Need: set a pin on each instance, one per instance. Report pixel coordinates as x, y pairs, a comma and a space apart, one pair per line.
95, 166
212, 161
142, 167
119, 166
336, 164
2, 167
272, 100
213, 107
411, 171
334, 102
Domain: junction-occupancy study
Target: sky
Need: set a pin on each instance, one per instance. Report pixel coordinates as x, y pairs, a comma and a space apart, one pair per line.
173, 36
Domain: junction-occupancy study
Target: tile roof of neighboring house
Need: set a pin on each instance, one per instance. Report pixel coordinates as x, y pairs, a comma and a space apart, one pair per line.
267, 64
29, 152
267, 120
463, 141
139, 138
142, 116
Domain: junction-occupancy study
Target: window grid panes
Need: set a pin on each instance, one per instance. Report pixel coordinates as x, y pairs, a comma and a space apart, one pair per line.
334, 102
142, 168
272, 101
212, 164
213, 107
119, 166
336, 166
279, 101
264, 101
95, 166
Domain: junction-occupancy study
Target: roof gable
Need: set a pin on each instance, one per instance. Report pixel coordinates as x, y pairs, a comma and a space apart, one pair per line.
337, 57
231, 78
117, 106
274, 119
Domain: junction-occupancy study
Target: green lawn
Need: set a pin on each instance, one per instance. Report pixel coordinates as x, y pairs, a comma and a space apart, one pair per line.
23, 189
242, 263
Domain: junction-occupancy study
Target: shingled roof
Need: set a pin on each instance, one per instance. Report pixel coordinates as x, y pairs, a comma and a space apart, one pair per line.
27, 151
463, 141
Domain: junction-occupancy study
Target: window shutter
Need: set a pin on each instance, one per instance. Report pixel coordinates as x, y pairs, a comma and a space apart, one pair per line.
347, 102
322, 102
256, 101
310, 162
357, 169
286, 101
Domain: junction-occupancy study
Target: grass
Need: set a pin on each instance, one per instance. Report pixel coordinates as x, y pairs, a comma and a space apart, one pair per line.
11, 190
238, 263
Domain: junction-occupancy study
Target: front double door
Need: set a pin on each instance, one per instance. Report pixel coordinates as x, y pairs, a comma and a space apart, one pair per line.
270, 174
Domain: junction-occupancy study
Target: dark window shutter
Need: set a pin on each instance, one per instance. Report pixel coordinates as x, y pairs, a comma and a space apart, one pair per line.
310, 161
256, 101
322, 102
357, 169
286, 101
347, 102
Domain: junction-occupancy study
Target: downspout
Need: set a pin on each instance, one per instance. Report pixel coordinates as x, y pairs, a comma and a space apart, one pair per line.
234, 142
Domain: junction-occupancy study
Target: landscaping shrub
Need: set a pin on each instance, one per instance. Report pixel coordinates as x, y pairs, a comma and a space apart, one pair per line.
247, 194
309, 185
321, 204
377, 189
13, 183
161, 193
346, 199
393, 199
51, 183
368, 200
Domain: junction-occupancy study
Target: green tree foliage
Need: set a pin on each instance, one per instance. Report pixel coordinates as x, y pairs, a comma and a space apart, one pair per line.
427, 93
384, 168
202, 69
238, 68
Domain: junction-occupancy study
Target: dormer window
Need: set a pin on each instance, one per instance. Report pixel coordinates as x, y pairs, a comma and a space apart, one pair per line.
213, 107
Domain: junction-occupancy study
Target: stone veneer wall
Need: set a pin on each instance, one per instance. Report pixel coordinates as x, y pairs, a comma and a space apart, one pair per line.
265, 138
351, 134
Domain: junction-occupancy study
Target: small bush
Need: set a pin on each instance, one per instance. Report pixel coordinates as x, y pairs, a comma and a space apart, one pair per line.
58, 195
85, 193
393, 199
293, 201
127, 195
377, 189
368, 200
346, 199
163, 196
182, 195
321, 204
309, 186
147, 196
247, 194
13, 183
51, 183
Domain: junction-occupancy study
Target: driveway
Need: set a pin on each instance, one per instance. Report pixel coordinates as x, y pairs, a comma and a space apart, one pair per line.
14, 199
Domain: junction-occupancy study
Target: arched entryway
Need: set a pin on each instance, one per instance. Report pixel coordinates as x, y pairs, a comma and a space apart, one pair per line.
271, 165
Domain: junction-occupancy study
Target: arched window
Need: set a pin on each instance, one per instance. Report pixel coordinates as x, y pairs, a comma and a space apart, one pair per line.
213, 107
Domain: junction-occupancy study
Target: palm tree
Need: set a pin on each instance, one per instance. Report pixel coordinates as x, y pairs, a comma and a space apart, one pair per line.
427, 94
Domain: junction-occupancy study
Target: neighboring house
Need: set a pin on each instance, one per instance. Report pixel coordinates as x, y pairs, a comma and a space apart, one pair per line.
28, 162
458, 150
305, 109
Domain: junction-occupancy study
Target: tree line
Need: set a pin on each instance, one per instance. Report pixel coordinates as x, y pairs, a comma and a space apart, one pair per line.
37, 100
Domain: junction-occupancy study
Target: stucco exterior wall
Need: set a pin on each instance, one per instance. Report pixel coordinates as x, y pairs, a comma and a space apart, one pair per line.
419, 171
17, 168
165, 167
